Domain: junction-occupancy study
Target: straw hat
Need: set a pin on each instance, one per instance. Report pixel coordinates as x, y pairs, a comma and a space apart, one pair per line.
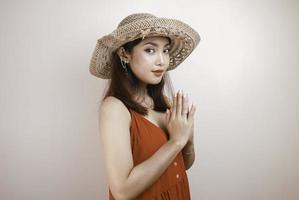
183, 40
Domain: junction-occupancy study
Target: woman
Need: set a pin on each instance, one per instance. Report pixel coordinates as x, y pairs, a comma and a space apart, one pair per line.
147, 139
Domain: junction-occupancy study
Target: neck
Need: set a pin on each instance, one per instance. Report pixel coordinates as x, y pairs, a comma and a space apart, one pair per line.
142, 97
141, 92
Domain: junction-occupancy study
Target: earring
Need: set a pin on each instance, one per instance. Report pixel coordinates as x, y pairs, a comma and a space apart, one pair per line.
124, 65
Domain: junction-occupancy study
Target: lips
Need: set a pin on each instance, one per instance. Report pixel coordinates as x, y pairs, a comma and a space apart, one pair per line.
158, 71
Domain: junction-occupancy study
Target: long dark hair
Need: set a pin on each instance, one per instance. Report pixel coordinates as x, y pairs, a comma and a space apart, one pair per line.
122, 85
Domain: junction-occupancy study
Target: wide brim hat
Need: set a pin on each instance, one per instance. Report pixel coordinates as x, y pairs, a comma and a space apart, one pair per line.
183, 38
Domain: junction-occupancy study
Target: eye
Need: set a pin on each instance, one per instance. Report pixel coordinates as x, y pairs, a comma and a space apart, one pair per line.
150, 50
166, 51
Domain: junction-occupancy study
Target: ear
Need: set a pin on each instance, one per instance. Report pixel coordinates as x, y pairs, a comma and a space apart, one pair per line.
121, 52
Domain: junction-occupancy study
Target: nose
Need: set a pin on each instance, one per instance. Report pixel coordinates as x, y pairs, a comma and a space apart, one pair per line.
160, 59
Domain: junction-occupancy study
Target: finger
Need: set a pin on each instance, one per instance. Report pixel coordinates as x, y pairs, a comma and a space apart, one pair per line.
191, 113
167, 115
179, 103
170, 101
173, 108
185, 105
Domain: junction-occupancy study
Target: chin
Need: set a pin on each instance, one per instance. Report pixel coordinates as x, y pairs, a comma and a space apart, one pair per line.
152, 81
156, 81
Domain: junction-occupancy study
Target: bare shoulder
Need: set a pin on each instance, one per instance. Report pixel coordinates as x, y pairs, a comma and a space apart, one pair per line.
112, 107
112, 103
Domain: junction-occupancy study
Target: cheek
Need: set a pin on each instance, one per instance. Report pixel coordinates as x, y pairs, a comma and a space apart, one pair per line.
167, 59
142, 61
145, 58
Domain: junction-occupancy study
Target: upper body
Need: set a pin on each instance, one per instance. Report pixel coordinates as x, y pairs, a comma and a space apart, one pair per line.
138, 71
126, 180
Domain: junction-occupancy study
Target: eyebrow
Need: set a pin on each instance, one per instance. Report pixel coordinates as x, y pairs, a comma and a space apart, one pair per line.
155, 44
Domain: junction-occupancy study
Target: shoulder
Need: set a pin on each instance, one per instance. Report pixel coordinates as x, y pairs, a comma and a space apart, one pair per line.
113, 108
112, 103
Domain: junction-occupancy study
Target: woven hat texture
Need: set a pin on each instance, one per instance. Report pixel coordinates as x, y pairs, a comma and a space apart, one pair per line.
184, 39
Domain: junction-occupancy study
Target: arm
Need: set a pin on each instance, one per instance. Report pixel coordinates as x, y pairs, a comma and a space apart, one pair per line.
124, 179
188, 154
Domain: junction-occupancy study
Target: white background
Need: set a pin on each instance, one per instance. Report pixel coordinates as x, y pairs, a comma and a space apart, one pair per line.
243, 77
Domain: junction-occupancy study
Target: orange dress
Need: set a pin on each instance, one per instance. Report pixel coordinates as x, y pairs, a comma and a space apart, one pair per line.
146, 139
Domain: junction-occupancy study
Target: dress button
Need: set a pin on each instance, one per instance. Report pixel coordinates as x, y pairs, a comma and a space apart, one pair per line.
175, 163
177, 175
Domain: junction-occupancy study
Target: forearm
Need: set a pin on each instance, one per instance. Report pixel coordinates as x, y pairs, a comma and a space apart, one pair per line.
146, 173
188, 154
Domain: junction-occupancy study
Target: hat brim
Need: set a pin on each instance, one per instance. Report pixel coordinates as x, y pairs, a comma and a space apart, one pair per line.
183, 38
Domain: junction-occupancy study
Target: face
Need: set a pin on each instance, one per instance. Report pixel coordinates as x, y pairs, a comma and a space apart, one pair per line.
150, 55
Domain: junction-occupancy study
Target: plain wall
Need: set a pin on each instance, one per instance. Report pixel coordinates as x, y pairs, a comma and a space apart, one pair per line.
243, 77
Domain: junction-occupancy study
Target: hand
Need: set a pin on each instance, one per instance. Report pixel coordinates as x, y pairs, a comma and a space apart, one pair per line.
179, 120
192, 133
190, 141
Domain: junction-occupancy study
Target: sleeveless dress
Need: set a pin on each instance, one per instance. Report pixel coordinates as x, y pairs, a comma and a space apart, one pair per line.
146, 139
